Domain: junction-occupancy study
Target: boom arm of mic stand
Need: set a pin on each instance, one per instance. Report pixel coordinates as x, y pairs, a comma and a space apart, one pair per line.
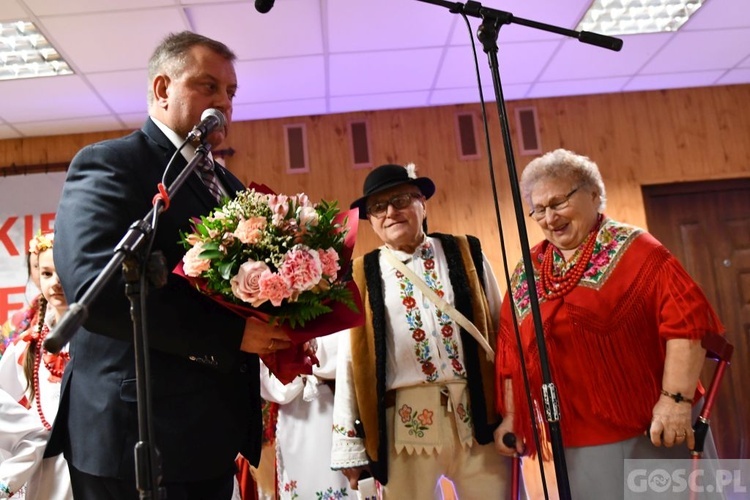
475, 9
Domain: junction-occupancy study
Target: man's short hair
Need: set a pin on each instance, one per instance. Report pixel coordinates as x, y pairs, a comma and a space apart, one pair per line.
171, 54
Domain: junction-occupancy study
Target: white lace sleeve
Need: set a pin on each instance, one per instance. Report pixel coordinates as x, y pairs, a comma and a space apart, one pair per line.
347, 450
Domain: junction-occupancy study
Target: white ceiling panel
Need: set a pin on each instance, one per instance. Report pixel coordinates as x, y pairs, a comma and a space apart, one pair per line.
7, 132
378, 72
67, 7
375, 102
577, 87
255, 36
736, 76
364, 25
309, 57
293, 78
71, 126
300, 107
701, 50
45, 99
716, 14
123, 91
112, 41
674, 80
577, 60
11, 10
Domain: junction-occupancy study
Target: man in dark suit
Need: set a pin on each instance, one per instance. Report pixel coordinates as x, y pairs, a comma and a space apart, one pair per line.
204, 364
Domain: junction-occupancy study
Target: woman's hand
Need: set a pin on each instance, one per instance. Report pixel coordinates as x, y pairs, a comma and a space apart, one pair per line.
671, 423
502, 442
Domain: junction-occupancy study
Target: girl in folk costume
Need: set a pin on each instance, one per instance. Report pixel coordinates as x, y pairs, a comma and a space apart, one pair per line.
303, 429
27, 317
31, 376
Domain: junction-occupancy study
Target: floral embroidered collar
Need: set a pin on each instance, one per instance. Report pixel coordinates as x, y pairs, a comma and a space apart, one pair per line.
423, 250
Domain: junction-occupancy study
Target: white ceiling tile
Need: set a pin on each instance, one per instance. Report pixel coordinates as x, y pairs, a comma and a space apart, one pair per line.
279, 79
355, 25
471, 95
577, 87
87, 41
701, 50
673, 80
719, 14
519, 63
378, 72
263, 110
123, 91
577, 60
76, 126
56, 7
375, 102
250, 34
740, 75
7, 132
52, 98
12, 11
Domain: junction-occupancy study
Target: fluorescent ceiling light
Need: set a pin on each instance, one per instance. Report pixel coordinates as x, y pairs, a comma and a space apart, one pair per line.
625, 17
25, 53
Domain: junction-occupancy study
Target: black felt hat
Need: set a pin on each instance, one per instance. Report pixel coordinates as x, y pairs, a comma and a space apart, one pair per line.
385, 177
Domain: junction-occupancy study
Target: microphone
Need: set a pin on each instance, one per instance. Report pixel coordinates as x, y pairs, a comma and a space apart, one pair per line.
263, 6
211, 119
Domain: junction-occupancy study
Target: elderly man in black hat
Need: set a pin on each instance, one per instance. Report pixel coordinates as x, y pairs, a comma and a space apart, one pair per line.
414, 394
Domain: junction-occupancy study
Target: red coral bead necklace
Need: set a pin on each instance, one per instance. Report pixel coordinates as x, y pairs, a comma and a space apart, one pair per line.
558, 285
55, 363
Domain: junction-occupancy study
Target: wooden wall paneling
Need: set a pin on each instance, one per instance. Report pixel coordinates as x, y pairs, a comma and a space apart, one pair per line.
636, 138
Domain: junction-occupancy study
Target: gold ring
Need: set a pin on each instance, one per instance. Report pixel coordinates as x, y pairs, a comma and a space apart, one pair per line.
270, 346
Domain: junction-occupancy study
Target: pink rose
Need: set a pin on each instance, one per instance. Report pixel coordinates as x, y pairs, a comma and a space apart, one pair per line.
273, 287
329, 261
250, 231
308, 217
193, 265
246, 284
301, 268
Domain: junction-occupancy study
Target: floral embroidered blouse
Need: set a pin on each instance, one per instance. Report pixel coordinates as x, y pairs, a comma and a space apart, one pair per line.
606, 339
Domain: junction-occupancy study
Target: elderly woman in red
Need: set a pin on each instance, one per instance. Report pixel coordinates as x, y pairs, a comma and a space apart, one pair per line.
623, 324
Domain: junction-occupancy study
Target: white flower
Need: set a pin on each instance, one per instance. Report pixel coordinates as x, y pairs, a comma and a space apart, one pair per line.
411, 170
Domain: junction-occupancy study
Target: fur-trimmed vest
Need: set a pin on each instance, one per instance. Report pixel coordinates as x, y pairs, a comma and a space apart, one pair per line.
368, 344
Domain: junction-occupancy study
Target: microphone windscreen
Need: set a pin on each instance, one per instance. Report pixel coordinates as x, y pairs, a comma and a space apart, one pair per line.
263, 6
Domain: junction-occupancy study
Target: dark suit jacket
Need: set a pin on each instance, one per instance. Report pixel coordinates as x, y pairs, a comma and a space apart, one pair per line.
205, 392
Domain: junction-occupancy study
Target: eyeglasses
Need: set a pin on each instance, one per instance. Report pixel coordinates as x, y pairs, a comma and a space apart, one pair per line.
399, 202
556, 204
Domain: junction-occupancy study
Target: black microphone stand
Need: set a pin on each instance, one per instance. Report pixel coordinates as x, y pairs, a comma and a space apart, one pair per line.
129, 255
487, 33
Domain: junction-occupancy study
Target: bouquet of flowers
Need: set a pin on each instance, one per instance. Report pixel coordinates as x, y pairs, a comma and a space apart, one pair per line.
279, 258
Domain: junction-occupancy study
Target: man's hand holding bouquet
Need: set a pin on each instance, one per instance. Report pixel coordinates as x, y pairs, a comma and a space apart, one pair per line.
281, 259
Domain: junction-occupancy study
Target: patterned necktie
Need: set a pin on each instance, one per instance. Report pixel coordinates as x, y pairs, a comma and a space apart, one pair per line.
206, 169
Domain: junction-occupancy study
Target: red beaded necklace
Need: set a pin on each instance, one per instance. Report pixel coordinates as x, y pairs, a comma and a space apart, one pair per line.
55, 363
555, 286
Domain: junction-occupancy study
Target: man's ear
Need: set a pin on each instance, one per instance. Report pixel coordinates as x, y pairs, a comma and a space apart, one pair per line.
160, 88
